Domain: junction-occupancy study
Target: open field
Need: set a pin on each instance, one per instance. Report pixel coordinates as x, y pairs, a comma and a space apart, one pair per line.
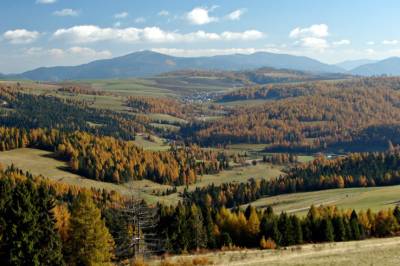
375, 198
382, 251
158, 144
240, 174
40, 162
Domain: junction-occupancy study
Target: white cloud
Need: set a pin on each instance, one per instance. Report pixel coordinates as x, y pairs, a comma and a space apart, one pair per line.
81, 52
341, 42
316, 30
121, 15
312, 37
246, 35
314, 43
140, 20
370, 51
117, 24
88, 52
46, 2
21, 36
235, 15
66, 12
390, 42
91, 33
200, 16
371, 43
163, 13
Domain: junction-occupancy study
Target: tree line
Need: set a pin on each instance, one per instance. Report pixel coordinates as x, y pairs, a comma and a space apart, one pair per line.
354, 170
112, 160
192, 227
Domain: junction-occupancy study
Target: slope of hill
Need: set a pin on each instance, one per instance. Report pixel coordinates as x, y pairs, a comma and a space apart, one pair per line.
389, 66
351, 64
148, 63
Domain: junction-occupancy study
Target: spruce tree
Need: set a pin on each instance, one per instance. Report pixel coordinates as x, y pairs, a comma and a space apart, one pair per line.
30, 236
327, 230
339, 228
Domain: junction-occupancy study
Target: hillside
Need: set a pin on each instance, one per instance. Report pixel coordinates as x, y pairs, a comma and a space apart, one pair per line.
351, 64
389, 66
148, 63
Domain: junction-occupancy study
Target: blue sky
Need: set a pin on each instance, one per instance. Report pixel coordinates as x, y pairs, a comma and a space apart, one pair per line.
37, 33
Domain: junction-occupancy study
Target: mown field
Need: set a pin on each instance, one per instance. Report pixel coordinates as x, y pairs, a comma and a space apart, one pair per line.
375, 198
366, 252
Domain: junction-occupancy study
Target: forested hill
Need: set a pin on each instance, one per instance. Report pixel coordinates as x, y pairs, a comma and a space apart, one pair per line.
148, 63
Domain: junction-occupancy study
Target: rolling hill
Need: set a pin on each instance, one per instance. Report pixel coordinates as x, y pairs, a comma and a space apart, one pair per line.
148, 63
389, 66
352, 64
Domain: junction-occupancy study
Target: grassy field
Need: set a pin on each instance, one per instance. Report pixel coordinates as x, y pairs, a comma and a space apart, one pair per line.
366, 252
241, 174
40, 162
375, 198
157, 144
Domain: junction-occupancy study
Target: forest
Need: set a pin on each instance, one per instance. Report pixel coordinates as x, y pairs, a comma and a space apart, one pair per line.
308, 116
46, 226
117, 161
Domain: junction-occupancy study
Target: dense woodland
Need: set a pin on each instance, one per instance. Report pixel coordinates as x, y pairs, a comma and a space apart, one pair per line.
189, 227
39, 227
112, 160
355, 170
310, 116
38, 111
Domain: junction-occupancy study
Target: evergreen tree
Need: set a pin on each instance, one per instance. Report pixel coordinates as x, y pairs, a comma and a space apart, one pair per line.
355, 227
339, 229
49, 240
29, 236
89, 240
327, 230
297, 230
396, 213
196, 227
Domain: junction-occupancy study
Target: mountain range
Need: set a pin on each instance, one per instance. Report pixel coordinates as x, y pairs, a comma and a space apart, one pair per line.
149, 63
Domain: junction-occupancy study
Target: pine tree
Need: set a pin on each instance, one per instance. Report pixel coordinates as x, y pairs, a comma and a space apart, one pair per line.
327, 230
396, 213
196, 227
50, 240
355, 227
297, 230
30, 236
89, 240
339, 228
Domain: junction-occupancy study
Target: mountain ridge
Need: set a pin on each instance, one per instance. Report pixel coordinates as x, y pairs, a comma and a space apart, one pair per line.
150, 63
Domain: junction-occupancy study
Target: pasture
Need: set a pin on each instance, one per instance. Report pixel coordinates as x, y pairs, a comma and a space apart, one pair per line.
382, 251
375, 198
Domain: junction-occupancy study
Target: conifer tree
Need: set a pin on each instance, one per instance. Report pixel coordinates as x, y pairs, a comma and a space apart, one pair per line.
327, 230
89, 242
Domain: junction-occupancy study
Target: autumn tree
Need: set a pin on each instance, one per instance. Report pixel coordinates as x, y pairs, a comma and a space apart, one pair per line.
89, 241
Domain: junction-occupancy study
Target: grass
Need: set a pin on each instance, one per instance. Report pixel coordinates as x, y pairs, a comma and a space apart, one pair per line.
240, 174
382, 251
157, 145
40, 162
375, 198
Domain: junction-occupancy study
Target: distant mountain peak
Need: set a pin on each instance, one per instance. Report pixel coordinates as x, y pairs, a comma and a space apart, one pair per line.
149, 63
